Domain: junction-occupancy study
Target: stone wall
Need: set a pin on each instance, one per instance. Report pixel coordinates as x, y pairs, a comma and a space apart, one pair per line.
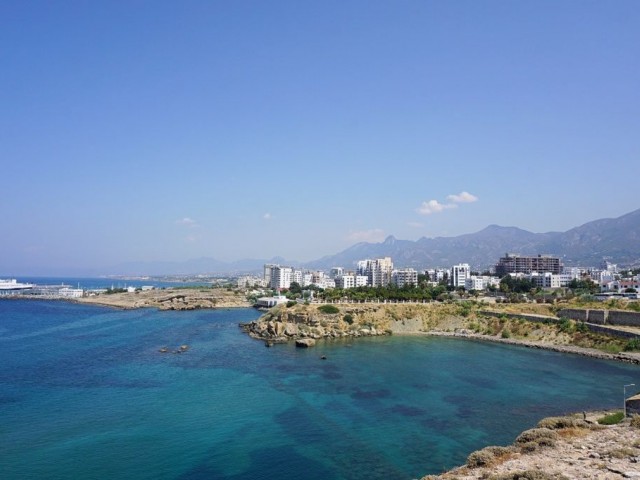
602, 317
618, 317
574, 314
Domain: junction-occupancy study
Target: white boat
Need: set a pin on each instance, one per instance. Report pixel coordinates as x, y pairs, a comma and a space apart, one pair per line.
13, 286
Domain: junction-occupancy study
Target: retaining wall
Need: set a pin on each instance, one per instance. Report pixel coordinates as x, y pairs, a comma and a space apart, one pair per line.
630, 319
603, 317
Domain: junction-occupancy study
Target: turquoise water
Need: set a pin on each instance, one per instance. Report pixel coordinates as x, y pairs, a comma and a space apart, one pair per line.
84, 393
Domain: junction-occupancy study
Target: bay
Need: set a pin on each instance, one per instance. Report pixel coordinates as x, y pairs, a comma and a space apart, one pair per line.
85, 393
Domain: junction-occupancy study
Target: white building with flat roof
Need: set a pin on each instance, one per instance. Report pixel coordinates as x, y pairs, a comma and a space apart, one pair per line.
345, 281
459, 274
281, 277
405, 276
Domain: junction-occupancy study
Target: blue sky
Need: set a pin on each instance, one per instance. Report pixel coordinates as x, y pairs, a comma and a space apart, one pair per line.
152, 130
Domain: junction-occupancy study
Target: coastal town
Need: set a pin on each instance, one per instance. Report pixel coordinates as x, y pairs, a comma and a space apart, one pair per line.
529, 273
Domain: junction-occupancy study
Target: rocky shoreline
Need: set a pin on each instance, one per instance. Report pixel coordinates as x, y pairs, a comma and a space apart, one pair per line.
627, 357
282, 324
559, 448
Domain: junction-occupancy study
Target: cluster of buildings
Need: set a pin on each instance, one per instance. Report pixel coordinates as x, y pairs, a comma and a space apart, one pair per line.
544, 271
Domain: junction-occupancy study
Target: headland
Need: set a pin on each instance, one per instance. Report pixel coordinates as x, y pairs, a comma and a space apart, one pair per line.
170, 299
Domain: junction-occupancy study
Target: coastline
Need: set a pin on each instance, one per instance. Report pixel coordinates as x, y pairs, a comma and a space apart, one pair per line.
627, 357
559, 448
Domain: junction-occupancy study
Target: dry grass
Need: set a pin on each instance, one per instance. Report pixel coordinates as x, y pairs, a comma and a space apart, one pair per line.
573, 432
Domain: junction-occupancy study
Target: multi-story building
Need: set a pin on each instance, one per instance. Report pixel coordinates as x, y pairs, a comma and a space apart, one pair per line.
251, 281
336, 271
345, 281
512, 263
545, 280
406, 276
377, 271
459, 274
436, 274
267, 272
475, 283
280, 277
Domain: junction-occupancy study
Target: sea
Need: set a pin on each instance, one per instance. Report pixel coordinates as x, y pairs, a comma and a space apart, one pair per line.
85, 392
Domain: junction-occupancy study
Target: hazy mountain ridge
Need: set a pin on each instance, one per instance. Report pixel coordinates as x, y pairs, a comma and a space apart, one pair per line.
614, 239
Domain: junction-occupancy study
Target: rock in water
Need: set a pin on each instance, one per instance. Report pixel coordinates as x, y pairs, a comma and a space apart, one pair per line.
305, 342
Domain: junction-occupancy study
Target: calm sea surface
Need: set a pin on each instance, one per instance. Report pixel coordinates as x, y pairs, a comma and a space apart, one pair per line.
84, 393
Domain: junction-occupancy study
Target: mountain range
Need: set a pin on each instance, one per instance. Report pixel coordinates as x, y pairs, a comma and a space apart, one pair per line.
613, 239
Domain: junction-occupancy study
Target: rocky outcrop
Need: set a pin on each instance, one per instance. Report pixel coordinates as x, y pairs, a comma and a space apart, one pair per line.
580, 449
171, 299
305, 342
309, 322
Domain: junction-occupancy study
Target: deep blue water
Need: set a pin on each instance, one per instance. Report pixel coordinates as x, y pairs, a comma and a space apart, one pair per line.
84, 393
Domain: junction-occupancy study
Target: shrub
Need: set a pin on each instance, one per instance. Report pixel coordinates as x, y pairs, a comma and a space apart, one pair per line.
633, 344
543, 437
486, 456
566, 326
291, 303
635, 421
506, 333
348, 318
582, 327
554, 423
328, 309
611, 419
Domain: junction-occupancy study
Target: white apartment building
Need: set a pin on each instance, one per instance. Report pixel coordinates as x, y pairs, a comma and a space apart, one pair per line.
406, 276
435, 275
297, 277
328, 283
475, 283
281, 277
459, 274
361, 280
249, 281
378, 271
545, 280
345, 281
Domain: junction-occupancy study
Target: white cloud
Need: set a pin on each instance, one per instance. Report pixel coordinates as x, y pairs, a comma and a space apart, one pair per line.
462, 197
187, 222
267, 216
433, 206
373, 235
